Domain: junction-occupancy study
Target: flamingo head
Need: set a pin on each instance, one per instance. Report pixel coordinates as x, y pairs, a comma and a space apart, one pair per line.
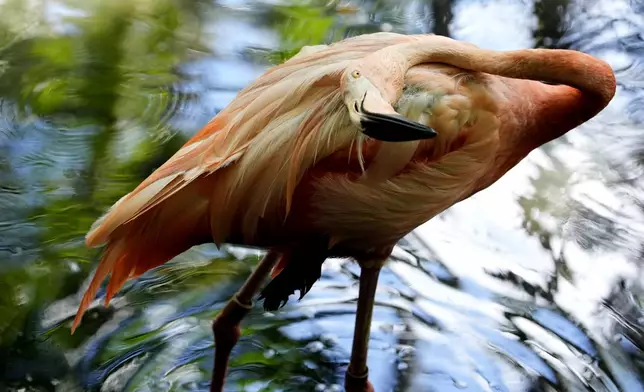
372, 113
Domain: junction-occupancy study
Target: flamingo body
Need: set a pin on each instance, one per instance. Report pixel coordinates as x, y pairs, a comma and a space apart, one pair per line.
288, 164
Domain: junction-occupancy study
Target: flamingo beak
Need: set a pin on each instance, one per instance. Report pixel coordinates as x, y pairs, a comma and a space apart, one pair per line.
385, 124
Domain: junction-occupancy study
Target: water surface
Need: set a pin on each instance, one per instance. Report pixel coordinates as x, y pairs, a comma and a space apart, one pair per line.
532, 285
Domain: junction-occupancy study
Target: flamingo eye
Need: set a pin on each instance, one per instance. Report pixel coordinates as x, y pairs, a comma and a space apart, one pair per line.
355, 74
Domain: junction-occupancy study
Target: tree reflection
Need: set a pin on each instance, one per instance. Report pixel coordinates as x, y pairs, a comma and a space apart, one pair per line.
442, 12
83, 101
551, 15
591, 224
316, 22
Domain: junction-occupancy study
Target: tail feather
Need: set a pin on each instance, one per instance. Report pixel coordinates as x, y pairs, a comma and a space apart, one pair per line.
298, 269
123, 257
149, 241
121, 272
114, 253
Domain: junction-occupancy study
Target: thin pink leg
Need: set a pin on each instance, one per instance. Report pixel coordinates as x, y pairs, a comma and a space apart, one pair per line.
226, 325
357, 376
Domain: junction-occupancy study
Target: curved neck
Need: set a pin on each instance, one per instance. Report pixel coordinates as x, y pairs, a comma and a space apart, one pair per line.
536, 113
569, 67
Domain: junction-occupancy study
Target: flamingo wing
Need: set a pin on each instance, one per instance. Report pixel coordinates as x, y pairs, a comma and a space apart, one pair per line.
288, 97
264, 140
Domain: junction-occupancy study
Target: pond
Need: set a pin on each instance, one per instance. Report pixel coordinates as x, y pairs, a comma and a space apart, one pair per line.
535, 284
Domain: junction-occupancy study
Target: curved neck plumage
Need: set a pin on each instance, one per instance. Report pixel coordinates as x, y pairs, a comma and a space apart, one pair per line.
537, 112
569, 67
548, 111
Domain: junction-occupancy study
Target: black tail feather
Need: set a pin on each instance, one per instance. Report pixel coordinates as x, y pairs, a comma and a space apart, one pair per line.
304, 268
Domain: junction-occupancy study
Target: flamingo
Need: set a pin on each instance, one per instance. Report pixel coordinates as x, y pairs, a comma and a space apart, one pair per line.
340, 152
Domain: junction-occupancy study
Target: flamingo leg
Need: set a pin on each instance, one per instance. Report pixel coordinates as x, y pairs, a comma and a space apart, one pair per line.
356, 379
226, 325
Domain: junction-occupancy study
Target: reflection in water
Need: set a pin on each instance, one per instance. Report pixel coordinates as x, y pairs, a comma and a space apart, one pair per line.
532, 285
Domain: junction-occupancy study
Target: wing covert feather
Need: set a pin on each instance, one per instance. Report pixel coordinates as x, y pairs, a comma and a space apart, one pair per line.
279, 92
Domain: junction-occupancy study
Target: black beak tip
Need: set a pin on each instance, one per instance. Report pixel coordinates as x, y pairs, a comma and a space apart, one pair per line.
395, 128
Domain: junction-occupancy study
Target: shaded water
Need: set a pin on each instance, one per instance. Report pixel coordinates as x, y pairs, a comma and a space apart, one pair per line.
533, 285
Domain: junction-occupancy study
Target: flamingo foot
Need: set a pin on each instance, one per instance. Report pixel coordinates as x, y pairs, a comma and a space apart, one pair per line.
360, 383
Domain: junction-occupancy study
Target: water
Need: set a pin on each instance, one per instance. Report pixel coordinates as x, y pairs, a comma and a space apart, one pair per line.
532, 285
